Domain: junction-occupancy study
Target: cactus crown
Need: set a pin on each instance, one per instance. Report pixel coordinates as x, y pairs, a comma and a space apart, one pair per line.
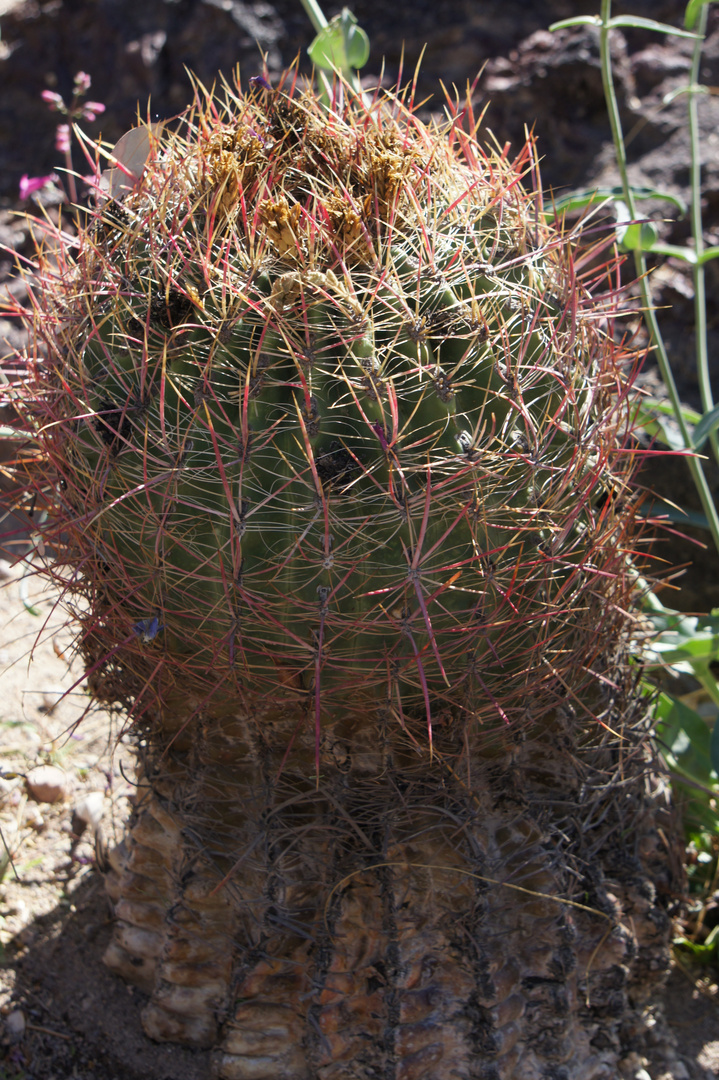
330, 420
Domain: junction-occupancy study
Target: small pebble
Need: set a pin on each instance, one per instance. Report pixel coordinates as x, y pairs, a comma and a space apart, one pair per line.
27, 935
47, 783
17, 909
10, 791
90, 807
33, 817
15, 1025
631, 1065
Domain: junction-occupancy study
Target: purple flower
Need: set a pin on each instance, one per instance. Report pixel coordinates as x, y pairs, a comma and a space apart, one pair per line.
148, 629
29, 184
92, 109
82, 82
53, 100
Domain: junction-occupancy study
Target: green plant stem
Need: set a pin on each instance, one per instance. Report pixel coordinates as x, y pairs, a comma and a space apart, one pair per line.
695, 466
700, 311
315, 15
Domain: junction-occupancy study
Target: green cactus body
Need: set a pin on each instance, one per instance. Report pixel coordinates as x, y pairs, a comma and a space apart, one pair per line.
343, 486
337, 434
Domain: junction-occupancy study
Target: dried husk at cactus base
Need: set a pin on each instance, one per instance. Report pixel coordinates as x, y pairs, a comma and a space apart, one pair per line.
334, 445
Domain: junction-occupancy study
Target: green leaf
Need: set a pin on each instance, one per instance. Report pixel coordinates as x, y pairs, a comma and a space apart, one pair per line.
646, 418
641, 193
714, 747
705, 953
578, 20
634, 235
680, 91
684, 639
357, 43
341, 46
686, 739
707, 254
674, 251
579, 200
693, 9
676, 514
640, 23
327, 51
655, 405
708, 423
639, 236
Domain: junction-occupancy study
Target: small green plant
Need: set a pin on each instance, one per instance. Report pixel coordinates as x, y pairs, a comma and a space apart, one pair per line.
640, 239
340, 47
682, 646
687, 646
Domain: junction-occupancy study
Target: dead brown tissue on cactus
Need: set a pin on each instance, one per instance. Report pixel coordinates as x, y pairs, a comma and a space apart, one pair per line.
333, 435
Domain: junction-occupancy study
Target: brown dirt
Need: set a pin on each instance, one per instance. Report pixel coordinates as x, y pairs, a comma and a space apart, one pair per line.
55, 920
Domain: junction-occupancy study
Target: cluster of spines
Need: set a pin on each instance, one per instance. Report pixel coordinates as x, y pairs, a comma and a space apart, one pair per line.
193, 300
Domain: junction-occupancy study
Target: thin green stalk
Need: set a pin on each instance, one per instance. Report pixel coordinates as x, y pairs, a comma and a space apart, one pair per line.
314, 14
700, 310
695, 466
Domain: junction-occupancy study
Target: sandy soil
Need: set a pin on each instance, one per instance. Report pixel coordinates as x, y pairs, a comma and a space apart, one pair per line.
62, 1015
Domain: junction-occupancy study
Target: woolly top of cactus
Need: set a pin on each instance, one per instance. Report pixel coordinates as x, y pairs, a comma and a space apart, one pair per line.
336, 422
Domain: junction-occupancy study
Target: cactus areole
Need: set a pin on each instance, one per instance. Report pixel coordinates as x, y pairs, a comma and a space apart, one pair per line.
334, 452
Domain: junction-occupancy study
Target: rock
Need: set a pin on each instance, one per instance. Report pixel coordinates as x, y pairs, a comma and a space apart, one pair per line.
89, 808
631, 1065
10, 791
47, 783
33, 817
15, 1025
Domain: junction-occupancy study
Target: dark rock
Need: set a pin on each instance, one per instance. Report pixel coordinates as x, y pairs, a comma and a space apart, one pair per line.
137, 51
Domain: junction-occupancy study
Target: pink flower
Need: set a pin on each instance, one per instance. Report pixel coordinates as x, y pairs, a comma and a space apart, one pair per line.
53, 100
29, 184
92, 109
82, 82
62, 138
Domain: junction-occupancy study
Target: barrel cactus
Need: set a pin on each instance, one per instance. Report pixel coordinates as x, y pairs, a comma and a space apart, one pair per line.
333, 444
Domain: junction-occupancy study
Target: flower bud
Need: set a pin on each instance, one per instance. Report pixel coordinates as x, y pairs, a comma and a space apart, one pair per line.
53, 100
82, 82
62, 138
92, 109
